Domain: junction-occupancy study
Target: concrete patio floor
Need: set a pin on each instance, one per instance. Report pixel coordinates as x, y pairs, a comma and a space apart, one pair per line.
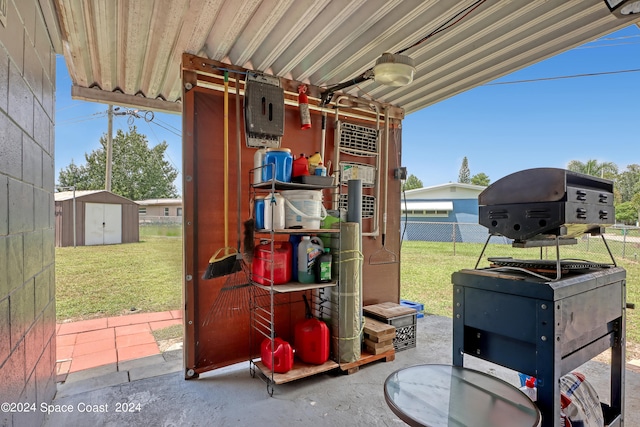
155, 390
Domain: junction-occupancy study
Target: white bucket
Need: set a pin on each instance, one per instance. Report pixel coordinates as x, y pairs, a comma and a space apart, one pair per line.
303, 208
274, 218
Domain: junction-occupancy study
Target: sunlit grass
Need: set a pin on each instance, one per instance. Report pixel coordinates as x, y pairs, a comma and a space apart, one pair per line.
426, 269
95, 281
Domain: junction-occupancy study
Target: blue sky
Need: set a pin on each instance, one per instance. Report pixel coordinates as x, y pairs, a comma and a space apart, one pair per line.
80, 124
499, 128
502, 129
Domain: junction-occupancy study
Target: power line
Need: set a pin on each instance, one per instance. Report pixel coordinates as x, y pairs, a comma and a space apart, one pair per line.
167, 128
573, 76
83, 118
177, 130
166, 152
607, 45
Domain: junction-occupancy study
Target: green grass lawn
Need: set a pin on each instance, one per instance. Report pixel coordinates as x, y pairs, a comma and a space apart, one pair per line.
99, 281
427, 267
96, 281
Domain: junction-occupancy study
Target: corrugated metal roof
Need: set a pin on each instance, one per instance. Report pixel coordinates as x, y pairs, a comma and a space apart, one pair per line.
78, 194
68, 195
130, 51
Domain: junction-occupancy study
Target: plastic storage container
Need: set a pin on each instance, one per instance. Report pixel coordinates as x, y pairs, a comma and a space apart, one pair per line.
323, 267
274, 212
282, 160
258, 210
314, 160
264, 261
282, 356
530, 389
309, 249
303, 209
258, 162
300, 166
294, 239
311, 339
327, 223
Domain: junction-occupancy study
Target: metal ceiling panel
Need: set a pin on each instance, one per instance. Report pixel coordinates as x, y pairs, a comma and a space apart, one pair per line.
129, 51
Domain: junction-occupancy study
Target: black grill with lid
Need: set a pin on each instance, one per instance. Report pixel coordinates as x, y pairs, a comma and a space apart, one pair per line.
514, 315
546, 201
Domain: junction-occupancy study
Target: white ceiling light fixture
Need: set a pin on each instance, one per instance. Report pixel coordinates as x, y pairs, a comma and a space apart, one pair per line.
623, 8
394, 70
391, 69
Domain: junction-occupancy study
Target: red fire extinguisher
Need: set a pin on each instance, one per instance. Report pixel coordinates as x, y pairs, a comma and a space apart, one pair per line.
303, 104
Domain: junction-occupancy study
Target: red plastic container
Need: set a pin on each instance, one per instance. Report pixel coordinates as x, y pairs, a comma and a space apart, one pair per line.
300, 166
311, 339
264, 261
282, 355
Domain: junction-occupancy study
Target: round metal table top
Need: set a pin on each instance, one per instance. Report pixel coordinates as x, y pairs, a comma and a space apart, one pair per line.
444, 395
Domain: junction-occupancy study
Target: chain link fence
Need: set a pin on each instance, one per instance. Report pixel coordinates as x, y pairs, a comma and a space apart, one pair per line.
622, 241
156, 220
166, 226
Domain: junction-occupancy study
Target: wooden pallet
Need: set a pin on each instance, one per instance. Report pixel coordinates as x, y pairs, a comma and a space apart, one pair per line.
299, 370
365, 358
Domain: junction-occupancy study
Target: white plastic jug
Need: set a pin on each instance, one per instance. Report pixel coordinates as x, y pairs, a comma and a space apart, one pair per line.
274, 212
258, 162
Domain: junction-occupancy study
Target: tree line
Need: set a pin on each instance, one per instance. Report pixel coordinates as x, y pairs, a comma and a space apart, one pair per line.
139, 172
626, 184
464, 177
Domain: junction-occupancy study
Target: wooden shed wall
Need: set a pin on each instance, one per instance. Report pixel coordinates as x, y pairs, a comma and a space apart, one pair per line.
226, 340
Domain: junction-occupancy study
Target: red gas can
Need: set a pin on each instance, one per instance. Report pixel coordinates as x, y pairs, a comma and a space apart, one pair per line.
300, 166
282, 355
279, 261
311, 339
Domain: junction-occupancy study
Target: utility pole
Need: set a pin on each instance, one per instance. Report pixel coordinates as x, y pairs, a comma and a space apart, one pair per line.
148, 117
107, 185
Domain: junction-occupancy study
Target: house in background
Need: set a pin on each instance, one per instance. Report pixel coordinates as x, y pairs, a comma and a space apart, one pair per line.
443, 213
99, 217
160, 210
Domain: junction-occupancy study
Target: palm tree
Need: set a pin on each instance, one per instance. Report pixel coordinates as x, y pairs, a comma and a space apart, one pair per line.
608, 170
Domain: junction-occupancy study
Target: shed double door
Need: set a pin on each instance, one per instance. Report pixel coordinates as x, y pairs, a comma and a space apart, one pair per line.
102, 224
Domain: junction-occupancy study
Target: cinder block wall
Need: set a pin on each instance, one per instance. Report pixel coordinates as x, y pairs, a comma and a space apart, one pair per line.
27, 292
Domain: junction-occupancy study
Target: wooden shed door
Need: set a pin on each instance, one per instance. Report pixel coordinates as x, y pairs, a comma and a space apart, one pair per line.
102, 224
